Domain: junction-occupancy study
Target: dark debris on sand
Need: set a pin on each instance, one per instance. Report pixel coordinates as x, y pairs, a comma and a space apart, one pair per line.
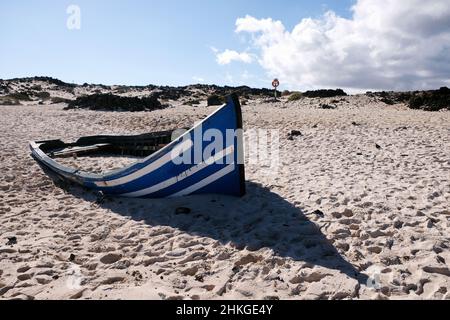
431, 100
324, 93
111, 102
11, 241
113, 99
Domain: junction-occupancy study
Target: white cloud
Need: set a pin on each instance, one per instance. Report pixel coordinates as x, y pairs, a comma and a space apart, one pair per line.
387, 44
228, 56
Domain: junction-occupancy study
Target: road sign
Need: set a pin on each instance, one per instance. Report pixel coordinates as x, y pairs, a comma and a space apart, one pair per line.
275, 83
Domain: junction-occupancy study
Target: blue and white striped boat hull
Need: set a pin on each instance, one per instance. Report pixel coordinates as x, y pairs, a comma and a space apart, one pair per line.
213, 167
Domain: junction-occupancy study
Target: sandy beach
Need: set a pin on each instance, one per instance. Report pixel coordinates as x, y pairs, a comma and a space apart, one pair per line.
358, 209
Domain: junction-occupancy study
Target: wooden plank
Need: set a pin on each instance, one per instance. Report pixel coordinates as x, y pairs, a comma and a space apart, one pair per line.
77, 150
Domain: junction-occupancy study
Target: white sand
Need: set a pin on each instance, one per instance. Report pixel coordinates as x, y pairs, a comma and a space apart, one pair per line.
386, 212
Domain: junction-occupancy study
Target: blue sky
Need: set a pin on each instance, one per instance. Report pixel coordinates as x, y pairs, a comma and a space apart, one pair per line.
141, 42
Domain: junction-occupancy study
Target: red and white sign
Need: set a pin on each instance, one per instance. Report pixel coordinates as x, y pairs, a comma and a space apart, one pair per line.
275, 83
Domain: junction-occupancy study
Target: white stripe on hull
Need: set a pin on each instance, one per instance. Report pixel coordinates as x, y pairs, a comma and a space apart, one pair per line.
186, 145
203, 183
169, 182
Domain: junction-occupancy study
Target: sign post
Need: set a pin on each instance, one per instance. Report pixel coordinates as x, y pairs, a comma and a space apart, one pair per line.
275, 84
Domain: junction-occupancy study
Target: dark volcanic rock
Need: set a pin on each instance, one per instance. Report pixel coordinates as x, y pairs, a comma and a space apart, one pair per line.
390, 97
193, 102
44, 95
324, 93
49, 80
54, 81
319, 213
20, 95
11, 241
215, 100
327, 106
433, 100
171, 93
112, 98
241, 91
4, 88
59, 100
294, 133
110, 102
244, 91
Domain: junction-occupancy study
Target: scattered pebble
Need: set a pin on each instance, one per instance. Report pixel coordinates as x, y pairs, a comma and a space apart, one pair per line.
249, 258
11, 241
110, 258
24, 276
190, 271
294, 133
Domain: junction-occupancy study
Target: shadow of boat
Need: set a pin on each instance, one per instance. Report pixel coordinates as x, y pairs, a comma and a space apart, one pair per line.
260, 219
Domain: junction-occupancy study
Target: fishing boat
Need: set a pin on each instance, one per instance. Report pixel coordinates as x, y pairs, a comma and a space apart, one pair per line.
207, 159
